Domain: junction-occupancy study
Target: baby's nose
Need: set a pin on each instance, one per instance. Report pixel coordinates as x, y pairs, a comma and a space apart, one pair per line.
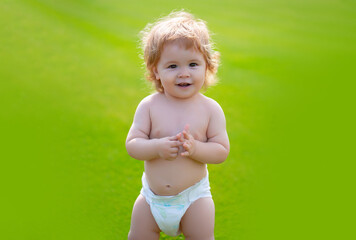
184, 73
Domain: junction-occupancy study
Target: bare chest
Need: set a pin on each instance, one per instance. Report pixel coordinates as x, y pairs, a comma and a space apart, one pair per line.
168, 121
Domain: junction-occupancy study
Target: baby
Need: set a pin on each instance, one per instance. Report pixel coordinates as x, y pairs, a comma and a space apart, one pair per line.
177, 131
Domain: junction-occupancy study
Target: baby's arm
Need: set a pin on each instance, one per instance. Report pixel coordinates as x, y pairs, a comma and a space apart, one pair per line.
217, 147
138, 144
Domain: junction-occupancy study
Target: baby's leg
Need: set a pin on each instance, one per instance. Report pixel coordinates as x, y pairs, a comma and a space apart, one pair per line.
143, 225
198, 221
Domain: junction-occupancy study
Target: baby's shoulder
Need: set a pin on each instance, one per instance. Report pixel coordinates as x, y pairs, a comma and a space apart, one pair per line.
210, 103
150, 99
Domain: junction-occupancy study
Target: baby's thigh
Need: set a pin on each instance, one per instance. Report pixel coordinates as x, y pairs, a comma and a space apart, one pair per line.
198, 221
143, 225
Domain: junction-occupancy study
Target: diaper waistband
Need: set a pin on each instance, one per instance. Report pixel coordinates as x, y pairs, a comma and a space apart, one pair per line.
189, 194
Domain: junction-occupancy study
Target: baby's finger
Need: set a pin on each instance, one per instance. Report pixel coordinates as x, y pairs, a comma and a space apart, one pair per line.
185, 154
186, 146
173, 138
186, 127
180, 137
174, 150
171, 156
177, 144
187, 135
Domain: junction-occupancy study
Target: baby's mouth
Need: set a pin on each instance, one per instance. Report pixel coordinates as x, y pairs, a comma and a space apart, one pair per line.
184, 84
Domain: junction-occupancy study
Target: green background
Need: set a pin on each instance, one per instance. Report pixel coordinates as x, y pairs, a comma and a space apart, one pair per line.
71, 78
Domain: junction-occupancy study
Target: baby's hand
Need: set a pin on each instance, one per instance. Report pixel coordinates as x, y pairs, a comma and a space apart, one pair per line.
168, 147
188, 141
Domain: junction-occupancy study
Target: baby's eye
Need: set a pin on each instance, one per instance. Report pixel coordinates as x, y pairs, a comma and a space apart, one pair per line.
172, 66
193, 64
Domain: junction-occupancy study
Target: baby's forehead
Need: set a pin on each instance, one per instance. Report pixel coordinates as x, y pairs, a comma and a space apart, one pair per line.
174, 51
179, 45
183, 42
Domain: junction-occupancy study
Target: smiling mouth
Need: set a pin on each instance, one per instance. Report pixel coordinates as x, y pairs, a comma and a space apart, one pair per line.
183, 84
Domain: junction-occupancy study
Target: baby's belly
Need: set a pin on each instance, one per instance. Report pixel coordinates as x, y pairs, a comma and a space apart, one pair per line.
170, 177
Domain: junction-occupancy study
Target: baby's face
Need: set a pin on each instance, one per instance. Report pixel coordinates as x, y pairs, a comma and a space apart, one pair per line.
181, 71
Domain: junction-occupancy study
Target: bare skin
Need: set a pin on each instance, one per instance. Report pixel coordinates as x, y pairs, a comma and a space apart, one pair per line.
177, 133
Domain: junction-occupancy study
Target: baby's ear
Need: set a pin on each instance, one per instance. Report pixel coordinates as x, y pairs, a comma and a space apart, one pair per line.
156, 73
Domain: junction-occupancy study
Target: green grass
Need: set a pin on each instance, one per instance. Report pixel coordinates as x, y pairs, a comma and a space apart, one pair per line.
71, 78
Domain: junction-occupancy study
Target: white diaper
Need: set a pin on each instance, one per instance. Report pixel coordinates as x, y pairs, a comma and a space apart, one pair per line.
169, 210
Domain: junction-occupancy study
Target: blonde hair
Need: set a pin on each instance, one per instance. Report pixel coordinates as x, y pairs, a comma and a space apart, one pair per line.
181, 26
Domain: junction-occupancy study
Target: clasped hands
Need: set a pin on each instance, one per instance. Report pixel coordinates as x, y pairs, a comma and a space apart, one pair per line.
168, 147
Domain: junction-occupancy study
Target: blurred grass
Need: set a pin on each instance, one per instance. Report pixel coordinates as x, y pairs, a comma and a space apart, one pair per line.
71, 79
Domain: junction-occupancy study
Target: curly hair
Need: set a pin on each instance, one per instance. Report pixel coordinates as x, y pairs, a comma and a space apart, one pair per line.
184, 27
